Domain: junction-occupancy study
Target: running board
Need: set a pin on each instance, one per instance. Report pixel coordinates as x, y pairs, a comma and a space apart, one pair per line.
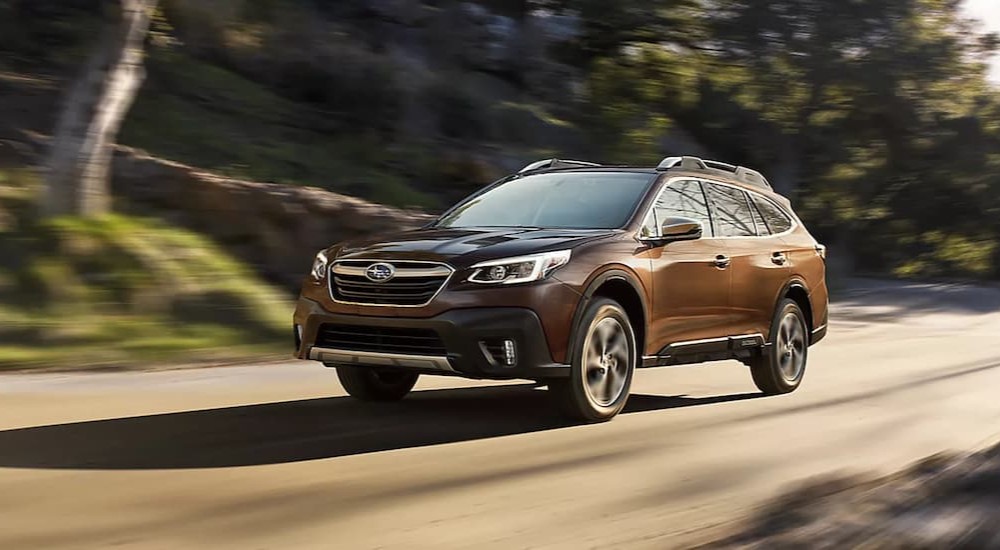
711, 349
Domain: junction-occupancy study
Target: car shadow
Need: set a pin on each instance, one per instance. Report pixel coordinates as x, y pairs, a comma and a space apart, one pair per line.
292, 431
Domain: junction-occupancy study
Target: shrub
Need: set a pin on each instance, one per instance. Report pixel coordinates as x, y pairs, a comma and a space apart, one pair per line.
458, 113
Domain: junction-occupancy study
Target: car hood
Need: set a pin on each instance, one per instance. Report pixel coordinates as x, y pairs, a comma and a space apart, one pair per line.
464, 247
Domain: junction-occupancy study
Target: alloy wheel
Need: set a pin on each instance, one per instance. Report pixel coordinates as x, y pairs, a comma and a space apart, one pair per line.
606, 361
791, 346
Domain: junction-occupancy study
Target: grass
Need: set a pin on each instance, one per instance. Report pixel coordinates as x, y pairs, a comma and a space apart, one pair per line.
125, 292
206, 116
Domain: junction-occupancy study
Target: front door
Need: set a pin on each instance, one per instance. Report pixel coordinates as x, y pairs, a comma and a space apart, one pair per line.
691, 279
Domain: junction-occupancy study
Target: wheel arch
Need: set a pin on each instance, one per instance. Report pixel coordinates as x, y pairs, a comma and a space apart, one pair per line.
623, 287
797, 291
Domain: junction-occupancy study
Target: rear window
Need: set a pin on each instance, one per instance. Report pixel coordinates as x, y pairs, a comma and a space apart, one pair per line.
571, 200
776, 220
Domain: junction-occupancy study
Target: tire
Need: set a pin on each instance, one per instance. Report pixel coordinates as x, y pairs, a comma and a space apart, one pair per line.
781, 370
369, 384
603, 364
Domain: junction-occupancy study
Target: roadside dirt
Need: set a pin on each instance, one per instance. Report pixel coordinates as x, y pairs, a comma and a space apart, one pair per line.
941, 502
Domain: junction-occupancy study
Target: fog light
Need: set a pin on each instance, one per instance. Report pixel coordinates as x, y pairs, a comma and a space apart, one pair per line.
499, 353
509, 353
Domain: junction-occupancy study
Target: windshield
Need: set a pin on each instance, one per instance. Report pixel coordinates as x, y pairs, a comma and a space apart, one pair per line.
574, 200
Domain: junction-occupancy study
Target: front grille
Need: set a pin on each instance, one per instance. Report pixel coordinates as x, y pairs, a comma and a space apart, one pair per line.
404, 341
414, 283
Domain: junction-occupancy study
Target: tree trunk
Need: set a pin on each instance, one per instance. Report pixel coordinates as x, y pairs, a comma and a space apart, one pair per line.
82, 146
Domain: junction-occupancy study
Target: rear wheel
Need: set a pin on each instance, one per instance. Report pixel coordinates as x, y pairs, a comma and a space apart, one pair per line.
781, 370
369, 384
602, 365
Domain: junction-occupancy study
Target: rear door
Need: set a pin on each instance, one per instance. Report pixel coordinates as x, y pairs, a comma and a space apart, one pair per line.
691, 279
759, 261
801, 252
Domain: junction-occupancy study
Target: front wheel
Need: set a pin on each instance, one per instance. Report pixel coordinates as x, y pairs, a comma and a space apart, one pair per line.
603, 363
782, 368
369, 384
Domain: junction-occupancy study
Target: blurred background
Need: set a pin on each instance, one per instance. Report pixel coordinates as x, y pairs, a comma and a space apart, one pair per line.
241, 136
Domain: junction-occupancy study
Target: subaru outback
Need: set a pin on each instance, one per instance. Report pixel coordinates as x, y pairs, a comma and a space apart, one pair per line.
574, 275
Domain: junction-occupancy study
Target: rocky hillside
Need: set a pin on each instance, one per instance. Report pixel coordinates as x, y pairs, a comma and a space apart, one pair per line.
404, 102
124, 292
275, 229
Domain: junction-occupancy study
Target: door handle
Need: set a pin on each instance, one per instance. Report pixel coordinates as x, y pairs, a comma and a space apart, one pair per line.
779, 258
722, 261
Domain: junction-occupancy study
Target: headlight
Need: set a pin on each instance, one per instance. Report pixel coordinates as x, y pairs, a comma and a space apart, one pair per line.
522, 269
319, 267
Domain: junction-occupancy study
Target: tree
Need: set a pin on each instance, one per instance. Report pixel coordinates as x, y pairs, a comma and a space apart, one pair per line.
608, 26
880, 111
874, 116
78, 166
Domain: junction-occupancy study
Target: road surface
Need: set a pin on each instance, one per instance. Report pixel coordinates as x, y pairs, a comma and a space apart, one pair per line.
274, 456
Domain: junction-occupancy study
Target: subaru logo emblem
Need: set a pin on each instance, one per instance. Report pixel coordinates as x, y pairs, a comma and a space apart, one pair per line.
380, 272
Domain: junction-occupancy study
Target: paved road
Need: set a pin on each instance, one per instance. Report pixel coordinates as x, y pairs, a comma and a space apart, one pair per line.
274, 456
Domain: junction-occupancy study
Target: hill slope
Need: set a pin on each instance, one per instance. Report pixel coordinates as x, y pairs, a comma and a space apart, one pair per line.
124, 291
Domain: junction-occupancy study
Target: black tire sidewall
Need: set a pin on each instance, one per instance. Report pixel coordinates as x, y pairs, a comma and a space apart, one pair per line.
780, 384
366, 384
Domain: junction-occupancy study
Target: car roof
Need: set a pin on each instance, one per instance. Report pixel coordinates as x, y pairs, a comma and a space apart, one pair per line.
747, 178
712, 175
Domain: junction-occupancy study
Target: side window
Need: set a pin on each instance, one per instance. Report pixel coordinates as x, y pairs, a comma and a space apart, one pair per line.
758, 220
683, 198
776, 220
731, 212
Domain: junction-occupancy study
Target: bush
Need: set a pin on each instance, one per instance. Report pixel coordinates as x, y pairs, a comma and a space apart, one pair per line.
458, 113
126, 291
51, 33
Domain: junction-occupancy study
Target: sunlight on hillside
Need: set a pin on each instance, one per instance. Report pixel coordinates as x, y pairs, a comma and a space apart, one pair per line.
119, 291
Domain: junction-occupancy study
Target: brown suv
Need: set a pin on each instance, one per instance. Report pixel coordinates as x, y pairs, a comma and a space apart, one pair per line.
574, 275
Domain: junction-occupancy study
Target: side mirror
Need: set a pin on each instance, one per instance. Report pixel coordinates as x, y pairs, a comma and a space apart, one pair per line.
680, 229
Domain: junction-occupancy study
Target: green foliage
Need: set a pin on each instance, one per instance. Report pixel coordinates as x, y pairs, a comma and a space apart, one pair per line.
219, 120
47, 34
609, 26
124, 291
459, 112
631, 98
939, 254
874, 117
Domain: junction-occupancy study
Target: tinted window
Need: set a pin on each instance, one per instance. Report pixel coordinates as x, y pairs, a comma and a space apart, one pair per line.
731, 212
681, 199
758, 220
776, 220
575, 200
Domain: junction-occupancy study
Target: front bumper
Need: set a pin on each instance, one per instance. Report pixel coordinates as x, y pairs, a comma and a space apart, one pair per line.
462, 331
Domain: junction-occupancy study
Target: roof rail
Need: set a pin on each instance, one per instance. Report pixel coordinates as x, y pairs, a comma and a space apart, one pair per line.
741, 173
752, 177
556, 163
720, 165
686, 163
